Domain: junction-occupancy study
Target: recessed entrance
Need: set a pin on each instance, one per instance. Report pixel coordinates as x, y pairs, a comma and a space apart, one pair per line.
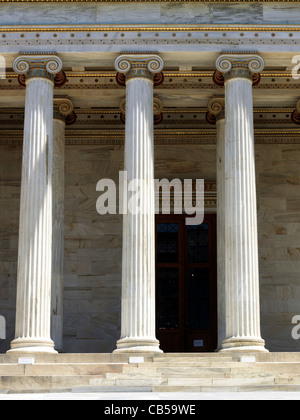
186, 286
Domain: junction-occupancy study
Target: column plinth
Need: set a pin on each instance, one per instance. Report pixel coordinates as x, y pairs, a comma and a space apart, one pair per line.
138, 255
32, 332
241, 251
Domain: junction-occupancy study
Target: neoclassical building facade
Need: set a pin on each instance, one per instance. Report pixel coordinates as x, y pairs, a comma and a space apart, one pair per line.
156, 90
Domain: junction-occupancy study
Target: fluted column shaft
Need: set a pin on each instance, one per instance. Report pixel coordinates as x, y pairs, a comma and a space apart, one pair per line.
58, 232
62, 108
241, 262
32, 332
138, 258
221, 249
216, 115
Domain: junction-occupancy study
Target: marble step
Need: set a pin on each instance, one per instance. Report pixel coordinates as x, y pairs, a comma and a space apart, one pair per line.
188, 388
193, 355
287, 380
172, 372
59, 369
179, 381
287, 368
191, 365
183, 382
20, 384
64, 383
237, 368
134, 375
163, 373
72, 358
232, 367
145, 368
188, 359
213, 374
165, 357
183, 364
149, 369
146, 381
109, 388
290, 357
243, 388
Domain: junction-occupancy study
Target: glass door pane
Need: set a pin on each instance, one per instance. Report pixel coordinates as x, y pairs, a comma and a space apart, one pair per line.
197, 243
198, 302
167, 298
167, 242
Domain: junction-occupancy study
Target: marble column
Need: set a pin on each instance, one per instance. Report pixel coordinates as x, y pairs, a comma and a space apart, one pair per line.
216, 115
62, 107
138, 258
241, 262
33, 305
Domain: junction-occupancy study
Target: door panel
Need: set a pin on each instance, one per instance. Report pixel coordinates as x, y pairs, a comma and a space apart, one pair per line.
186, 298
167, 298
198, 310
167, 242
197, 244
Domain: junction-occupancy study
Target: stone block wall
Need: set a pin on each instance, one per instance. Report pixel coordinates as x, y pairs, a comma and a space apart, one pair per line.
92, 269
93, 253
278, 192
10, 180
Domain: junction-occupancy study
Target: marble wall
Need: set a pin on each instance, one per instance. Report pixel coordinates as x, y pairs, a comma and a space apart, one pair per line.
10, 177
278, 185
148, 13
92, 253
92, 270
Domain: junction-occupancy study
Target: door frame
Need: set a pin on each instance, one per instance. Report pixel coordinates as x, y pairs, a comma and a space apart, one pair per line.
181, 338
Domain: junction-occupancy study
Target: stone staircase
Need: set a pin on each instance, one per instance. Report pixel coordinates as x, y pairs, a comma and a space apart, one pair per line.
184, 372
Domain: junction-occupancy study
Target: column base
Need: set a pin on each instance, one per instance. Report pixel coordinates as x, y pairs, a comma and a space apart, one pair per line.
25, 345
236, 344
131, 345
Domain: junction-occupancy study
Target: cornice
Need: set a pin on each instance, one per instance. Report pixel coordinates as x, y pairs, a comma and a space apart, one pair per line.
161, 137
112, 28
190, 81
166, 86
149, 1
166, 74
100, 111
176, 120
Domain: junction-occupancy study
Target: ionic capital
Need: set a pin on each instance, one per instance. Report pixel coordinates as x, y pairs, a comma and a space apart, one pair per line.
158, 108
239, 65
122, 106
41, 66
62, 107
296, 114
139, 65
63, 110
216, 110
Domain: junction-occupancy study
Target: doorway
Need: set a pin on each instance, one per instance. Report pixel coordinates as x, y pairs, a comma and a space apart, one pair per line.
186, 284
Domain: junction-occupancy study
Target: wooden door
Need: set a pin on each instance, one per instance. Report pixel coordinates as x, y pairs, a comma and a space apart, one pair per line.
186, 295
